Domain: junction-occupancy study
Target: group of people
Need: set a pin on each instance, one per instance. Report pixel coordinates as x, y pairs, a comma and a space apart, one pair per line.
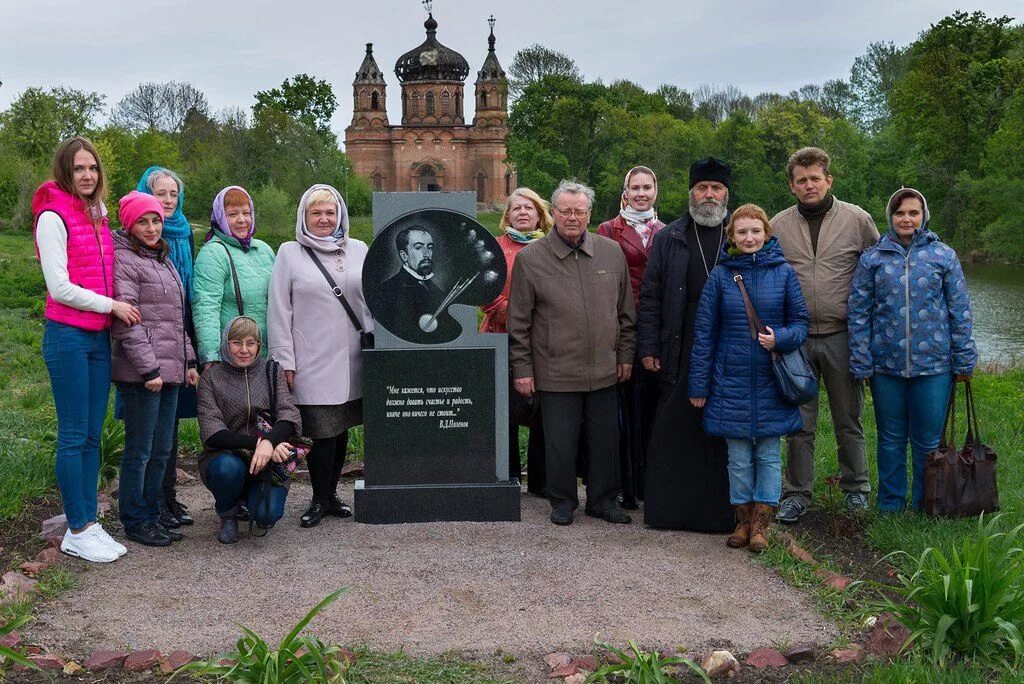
642, 347
631, 356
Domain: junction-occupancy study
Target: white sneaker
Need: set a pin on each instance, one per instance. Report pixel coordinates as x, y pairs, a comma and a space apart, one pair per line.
109, 541
87, 546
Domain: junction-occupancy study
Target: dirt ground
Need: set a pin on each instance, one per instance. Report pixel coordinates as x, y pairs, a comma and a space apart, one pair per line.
527, 588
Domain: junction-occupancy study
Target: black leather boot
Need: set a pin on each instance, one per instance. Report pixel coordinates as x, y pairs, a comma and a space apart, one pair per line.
228, 530
340, 509
314, 514
147, 534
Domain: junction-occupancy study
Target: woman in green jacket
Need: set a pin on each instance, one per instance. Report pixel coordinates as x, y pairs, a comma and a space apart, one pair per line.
231, 274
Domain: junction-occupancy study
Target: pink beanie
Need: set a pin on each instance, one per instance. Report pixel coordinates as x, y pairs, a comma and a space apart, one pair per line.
135, 205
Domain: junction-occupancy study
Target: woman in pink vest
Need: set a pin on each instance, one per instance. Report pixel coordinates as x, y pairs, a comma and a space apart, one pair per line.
634, 229
76, 252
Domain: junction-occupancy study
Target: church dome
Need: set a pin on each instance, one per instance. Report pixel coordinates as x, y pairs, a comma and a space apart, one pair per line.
431, 61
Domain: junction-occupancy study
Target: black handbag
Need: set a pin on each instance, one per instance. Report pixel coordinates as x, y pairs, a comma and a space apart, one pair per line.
234, 280
793, 373
366, 340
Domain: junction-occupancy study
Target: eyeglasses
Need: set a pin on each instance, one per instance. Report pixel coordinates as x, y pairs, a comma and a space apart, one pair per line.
576, 213
238, 345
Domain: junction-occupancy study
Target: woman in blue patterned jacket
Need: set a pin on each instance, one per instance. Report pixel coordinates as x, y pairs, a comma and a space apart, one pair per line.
910, 332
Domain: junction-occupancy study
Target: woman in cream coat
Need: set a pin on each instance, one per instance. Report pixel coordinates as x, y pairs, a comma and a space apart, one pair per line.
315, 340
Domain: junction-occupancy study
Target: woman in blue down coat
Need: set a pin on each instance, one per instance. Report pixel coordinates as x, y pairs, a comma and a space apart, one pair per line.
731, 374
910, 331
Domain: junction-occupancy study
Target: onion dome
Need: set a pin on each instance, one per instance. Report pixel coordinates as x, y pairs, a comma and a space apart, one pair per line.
431, 61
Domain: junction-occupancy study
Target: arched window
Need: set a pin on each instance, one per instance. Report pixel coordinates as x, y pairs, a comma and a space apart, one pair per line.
428, 180
483, 98
508, 183
415, 104
378, 181
430, 104
458, 105
446, 102
481, 185
374, 100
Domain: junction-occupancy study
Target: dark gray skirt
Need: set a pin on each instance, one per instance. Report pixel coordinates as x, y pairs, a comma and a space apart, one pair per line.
322, 421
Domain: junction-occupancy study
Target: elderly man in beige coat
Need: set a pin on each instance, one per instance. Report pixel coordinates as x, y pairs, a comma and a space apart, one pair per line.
823, 238
572, 334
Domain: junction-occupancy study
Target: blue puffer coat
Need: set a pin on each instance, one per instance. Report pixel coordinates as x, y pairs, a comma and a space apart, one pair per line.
917, 293
728, 367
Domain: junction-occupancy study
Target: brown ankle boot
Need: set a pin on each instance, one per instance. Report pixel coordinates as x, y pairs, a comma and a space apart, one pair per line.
759, 527
741, 535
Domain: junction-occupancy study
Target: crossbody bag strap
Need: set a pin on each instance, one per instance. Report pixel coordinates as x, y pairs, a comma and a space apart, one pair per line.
753, 322
272, 389
336, 290
234, 279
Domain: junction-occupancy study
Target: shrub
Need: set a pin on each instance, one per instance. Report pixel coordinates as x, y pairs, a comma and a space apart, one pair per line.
969, 602
297, 659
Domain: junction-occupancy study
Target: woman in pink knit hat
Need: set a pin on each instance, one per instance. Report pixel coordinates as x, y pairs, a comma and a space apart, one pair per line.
150, 361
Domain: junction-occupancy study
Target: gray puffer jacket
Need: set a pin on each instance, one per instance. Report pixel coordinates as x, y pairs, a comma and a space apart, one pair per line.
159, 346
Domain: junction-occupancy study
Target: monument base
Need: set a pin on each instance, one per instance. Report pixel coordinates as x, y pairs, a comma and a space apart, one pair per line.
384, 504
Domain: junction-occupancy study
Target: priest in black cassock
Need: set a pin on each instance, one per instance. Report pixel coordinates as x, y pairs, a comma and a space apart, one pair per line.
687, 482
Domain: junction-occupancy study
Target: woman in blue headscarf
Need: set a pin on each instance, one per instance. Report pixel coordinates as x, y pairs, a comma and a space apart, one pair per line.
167, 187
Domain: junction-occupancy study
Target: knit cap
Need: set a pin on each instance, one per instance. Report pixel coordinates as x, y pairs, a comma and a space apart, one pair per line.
135, 205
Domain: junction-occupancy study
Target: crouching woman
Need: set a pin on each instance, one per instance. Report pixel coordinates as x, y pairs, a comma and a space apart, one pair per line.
731, 374
246, 417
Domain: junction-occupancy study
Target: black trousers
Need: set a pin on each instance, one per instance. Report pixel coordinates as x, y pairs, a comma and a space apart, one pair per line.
535, 466
325, 461
567, 417
171, 472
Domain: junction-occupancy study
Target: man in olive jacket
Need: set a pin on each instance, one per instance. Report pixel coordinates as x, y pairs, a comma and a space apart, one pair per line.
823, 238
571, 330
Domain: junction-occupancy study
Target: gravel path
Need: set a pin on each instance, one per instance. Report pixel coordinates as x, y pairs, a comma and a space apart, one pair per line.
526, 587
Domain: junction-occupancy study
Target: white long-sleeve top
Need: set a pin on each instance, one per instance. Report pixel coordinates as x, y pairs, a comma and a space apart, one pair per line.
52, 240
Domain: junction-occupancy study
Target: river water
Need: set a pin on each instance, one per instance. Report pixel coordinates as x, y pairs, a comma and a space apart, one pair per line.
997, 299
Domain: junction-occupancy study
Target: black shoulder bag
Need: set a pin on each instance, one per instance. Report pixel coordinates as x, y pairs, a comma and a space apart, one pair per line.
793, 374
366, 340
234, 279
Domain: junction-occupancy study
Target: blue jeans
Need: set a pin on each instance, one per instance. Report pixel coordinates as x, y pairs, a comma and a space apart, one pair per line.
227, 476
79, 365
906, 408
149, 419
755, 471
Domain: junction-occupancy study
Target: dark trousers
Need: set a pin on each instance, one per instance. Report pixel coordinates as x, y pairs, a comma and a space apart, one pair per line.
638, 402
171, 473
148, 426
325, 461
567, 416
227, 476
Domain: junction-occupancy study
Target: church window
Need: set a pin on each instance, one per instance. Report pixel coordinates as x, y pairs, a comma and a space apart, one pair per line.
378, 181
483, 98
415, 104
446, 102
430, 104
374, 100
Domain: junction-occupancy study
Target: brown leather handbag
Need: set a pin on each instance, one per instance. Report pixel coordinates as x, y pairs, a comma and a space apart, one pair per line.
960, 483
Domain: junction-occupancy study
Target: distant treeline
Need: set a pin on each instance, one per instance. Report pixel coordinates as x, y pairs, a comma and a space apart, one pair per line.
944, 114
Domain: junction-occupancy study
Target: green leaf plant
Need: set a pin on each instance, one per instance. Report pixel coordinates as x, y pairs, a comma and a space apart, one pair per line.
641, 667
297, 659
8, 654
968, 602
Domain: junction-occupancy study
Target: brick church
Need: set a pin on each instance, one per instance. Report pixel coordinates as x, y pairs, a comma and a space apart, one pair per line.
433, 148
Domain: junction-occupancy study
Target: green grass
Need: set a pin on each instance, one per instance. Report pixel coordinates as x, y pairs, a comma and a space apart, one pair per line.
1002, 427
913, 670
375, 667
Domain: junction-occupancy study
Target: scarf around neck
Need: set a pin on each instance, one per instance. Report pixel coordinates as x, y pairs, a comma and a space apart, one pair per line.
524, 238
177, 233
219, 221
643, 222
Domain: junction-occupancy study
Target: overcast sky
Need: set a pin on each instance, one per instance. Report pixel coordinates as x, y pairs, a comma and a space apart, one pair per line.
232, 48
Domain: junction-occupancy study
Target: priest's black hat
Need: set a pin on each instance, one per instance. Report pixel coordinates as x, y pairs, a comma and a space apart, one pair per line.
711, 169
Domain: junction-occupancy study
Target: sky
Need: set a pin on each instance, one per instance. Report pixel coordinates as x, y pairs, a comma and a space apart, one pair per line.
230, 49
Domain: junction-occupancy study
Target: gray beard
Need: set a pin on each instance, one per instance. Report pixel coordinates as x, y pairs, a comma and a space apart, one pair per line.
708, 214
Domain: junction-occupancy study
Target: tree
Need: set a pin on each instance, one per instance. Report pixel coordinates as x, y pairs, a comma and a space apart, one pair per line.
38, 120
159, 107
872, 79
302, 97
678, 102
533, 63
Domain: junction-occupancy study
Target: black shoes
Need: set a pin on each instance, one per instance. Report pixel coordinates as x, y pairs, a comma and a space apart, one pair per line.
628, 502
173, 535
148, 534
315, 513
167, 519
561, 516
612, 514
176, 509
340, 509
243, 512
228, 530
